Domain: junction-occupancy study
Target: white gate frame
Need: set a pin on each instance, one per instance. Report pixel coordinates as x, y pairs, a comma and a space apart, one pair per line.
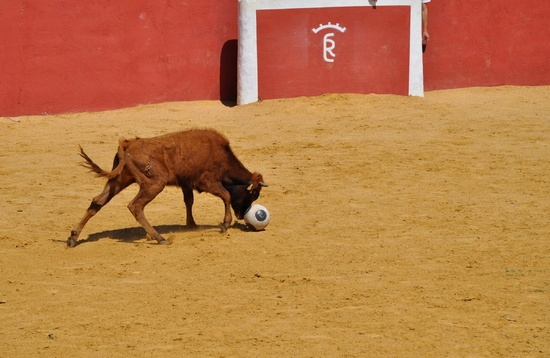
247, 67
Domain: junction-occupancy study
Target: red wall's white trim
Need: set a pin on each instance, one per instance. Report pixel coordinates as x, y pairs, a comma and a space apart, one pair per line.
247, 88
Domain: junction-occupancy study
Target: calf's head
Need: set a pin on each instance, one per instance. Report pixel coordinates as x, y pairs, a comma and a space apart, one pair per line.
242, 196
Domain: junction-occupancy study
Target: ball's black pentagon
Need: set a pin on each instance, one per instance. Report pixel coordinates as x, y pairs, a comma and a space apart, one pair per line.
260, 215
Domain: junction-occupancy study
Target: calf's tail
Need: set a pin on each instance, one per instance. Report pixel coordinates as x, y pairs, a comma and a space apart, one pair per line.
93, 167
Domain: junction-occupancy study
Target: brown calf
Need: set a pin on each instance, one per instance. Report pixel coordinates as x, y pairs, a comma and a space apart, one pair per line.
199, 160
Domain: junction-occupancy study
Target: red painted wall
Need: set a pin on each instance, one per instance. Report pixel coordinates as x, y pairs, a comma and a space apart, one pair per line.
72, 55
487, 43
368, 58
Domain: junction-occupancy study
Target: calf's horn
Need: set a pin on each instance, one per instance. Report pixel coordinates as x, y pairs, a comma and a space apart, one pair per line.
260, 184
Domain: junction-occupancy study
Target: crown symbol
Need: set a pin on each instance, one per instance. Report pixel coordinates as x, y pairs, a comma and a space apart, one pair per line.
329, 26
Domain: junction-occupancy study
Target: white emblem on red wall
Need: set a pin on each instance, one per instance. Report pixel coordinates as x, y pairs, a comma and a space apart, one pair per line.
328, 42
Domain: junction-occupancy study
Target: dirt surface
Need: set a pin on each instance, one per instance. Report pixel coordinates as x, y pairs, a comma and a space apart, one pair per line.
401, 227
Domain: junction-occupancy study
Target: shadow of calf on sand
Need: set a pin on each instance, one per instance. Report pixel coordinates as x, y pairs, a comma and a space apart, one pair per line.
133, 234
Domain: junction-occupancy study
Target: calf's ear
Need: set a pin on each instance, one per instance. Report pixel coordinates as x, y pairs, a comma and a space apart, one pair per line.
256, 181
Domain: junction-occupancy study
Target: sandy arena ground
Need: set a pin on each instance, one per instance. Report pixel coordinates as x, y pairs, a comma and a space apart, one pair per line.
401, 227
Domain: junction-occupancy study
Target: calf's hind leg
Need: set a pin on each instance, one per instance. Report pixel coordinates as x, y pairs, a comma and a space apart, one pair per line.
144, 196
112, 188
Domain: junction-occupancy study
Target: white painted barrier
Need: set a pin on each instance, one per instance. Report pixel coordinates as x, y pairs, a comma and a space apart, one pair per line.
247, 71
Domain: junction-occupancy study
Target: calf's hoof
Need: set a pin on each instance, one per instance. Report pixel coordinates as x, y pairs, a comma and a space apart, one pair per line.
163, 241
71, 242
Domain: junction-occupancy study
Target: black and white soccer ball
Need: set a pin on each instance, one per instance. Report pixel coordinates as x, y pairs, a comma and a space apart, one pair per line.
257, 217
